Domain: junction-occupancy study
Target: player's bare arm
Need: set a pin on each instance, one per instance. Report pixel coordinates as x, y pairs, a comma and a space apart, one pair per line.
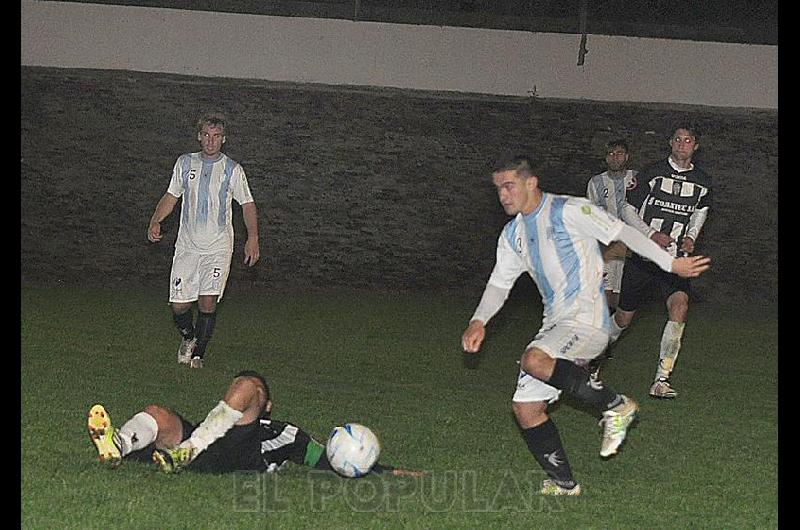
164, 207
691, 266
251, 250
473, 336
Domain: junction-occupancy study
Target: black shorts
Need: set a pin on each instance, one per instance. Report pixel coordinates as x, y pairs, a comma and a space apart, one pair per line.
640, 278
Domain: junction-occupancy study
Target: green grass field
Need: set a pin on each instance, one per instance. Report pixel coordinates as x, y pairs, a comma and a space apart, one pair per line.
708, 459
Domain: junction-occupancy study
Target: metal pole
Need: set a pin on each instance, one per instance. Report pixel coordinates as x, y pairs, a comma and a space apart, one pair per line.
582, 51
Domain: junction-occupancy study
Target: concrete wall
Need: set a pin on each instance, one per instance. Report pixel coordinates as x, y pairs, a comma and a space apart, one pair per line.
379, 189
339, 52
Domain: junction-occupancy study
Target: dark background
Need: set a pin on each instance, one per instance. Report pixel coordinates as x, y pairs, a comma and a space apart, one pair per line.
363, 188
743, 21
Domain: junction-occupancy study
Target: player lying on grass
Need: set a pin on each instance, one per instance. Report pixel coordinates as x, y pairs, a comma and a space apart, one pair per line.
237, 435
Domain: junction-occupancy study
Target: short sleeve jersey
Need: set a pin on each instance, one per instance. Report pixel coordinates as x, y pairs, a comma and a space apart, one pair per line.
207, 188
609, 192
282, 442
557, 246
265, 445
667, 198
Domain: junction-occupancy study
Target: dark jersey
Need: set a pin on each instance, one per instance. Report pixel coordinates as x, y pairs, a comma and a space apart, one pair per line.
284, 442
670, 201
264, 445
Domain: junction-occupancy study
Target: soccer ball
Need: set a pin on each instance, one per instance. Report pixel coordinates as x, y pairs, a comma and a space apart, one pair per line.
352, 450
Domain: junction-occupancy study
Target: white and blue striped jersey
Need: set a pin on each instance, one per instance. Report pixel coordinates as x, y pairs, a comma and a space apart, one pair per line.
207, 188
557, 246
608, 191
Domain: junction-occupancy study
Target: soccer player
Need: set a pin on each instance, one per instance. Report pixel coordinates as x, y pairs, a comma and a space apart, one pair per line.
236, 435
554, 238
672, 196
207, 181
607, 190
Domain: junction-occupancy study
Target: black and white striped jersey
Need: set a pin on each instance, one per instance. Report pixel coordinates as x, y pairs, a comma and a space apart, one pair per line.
672, 201
282, 442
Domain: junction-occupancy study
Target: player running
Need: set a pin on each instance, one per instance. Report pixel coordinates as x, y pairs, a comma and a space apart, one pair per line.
554, 239
672, 196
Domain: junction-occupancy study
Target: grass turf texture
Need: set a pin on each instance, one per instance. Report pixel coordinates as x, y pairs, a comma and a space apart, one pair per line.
392, 362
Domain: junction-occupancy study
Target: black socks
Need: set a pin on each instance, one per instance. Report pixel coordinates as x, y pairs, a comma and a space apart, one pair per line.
544, 443
204, 329
184, 324
574, 380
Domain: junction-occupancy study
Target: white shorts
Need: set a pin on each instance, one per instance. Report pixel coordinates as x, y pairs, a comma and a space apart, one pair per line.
576, 342
195, 275
612, 274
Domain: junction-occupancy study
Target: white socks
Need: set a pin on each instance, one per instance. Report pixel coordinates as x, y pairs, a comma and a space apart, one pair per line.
670, 346
137, 433
217, 423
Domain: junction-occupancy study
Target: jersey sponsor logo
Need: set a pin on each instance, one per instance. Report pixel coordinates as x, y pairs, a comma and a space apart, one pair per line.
674, 206
588, 210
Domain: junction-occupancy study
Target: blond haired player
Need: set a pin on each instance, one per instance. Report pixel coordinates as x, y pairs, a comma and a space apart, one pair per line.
207, 182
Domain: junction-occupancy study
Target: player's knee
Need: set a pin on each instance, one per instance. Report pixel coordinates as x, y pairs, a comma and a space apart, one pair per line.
168, 424
164, 417
179, 308
678, 306
529, 414
207, 304
537, 363
156, 411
